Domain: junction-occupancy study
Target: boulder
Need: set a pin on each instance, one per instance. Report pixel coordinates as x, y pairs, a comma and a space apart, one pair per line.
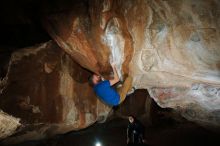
8, 124
169, 47
49, 93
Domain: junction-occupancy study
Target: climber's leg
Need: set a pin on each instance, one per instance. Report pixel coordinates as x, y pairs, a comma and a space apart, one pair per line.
127, 85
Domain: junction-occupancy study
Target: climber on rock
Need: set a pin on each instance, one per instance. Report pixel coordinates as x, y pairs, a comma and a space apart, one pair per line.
105, 91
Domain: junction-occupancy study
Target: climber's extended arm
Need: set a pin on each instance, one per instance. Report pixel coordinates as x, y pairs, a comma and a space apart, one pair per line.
116, 78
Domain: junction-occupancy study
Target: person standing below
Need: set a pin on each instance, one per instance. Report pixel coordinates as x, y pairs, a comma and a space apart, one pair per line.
105, 91
135, 132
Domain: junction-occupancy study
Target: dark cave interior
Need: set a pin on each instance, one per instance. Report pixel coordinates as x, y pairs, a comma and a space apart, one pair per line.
21, 26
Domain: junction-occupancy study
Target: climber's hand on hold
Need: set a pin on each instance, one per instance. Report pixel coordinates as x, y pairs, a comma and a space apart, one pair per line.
113, 65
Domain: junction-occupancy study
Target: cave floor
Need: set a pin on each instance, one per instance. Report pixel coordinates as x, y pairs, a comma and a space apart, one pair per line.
113, 133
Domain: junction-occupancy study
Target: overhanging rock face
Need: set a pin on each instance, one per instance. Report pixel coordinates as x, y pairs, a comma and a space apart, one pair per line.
49, 92
169, 47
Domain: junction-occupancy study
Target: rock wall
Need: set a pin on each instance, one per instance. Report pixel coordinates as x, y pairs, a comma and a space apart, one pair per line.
49, 92
8, 124
169, 47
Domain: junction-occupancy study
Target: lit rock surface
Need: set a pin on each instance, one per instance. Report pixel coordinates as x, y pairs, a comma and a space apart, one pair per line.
8, 125
49, 92
169, 47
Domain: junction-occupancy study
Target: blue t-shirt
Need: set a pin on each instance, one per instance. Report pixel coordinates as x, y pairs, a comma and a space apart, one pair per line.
104, 91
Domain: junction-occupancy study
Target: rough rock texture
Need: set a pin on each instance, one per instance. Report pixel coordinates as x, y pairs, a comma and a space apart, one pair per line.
49, 92
8, 125
169, 47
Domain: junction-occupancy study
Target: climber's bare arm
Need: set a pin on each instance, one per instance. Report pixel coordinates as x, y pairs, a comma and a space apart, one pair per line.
116, 78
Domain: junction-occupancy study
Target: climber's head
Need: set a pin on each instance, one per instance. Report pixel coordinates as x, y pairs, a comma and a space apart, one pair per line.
94, 79
131, 119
